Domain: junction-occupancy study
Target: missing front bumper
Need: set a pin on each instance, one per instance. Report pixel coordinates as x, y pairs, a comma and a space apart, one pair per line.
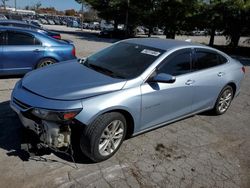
51, 134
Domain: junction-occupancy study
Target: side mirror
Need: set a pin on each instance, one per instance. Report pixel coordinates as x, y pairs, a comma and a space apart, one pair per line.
163, 78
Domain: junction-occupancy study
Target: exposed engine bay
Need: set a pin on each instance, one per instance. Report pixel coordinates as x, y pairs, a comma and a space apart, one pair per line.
52, 134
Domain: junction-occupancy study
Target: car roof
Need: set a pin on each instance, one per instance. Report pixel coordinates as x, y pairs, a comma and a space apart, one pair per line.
21, 29
163, 44
32, 31
13, 21
27, 30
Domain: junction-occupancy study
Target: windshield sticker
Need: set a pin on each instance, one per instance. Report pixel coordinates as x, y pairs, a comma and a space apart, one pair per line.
150, 52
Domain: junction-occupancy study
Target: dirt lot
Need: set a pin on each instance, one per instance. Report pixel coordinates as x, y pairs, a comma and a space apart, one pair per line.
201, 151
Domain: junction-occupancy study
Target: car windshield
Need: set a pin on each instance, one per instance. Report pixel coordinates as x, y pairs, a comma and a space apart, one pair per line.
123, 60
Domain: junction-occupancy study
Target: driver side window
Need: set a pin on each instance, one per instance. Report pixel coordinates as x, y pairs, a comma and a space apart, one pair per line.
177, 64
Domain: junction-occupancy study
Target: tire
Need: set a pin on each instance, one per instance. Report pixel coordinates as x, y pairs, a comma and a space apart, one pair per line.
224, 100
45, 62
98, 142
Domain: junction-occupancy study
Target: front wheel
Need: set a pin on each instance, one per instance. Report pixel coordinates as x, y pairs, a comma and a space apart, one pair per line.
104, 136
224, 100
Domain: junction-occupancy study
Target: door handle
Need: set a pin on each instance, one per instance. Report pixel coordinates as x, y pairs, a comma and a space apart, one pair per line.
189, 82
37, 50
220, 74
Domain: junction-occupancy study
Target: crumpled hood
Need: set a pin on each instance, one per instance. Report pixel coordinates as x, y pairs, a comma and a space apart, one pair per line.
70, 81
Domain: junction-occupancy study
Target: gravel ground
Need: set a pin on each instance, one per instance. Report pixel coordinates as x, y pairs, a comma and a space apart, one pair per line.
201, 151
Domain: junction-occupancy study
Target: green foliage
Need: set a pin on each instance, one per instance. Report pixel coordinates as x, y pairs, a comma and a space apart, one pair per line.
70, 12
110, 9
232, 16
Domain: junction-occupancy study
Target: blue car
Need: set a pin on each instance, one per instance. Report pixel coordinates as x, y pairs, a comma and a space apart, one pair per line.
22, 50
126, 89
22, 24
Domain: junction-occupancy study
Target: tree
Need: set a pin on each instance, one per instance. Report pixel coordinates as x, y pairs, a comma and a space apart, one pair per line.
236, 17
174, 14
110, 9
146, 13
210, 16
37, 5
70, 12
90, 15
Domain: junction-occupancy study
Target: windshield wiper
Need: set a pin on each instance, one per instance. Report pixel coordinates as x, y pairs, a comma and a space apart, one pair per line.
102, 70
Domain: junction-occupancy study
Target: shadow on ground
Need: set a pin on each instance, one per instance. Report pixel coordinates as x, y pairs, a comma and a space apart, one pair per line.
20, 142
11, 76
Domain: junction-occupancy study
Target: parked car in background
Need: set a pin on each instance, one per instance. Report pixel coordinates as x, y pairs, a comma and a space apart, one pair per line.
157, 31
105, 25
85, 25
22, 24
113, 33
2, 17
72, 23
94, 26
57, 22
36, 23
51, 22
131, 87
43, 21
140, 30
219, 33
22, 50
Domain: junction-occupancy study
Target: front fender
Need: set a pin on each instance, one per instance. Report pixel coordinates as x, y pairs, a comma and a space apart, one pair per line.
128, 100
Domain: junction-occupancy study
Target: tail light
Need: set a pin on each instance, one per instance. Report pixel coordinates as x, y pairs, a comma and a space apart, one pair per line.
243, 70
57, 36
74, 51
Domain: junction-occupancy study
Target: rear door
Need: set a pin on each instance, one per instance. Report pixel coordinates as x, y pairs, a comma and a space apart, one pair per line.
21, 52
209, 74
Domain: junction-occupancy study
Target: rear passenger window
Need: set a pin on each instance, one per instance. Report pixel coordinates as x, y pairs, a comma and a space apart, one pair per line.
222, 59
16, 38
206, 59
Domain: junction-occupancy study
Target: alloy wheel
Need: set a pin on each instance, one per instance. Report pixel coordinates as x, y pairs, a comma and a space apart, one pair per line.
111, 138
225, 100
46, 63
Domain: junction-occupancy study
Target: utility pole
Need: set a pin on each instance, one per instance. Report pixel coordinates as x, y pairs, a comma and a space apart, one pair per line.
15, 5
82, 16
127, 13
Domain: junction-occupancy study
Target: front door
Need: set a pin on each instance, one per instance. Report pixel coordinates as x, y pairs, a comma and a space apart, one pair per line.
163, 102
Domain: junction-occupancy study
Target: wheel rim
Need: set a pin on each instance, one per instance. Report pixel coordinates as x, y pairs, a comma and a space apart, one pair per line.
225, 100
111, 138
46, 63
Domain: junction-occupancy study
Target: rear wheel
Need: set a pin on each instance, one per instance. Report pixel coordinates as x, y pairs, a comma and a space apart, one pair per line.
45, 62
224, 100
104, 136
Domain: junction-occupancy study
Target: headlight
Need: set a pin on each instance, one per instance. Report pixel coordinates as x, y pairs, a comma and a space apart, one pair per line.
53, 115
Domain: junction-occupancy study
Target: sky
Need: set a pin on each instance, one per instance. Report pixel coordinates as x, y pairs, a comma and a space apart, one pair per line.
58, 4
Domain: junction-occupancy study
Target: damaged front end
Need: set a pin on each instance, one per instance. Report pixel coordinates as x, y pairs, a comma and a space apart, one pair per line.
51, 126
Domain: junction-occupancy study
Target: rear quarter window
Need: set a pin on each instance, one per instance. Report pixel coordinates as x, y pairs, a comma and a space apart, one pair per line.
207, 59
